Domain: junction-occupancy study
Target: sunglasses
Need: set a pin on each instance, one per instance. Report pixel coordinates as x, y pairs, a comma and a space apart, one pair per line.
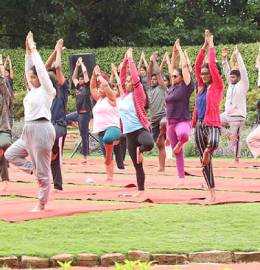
174, 76
204, 73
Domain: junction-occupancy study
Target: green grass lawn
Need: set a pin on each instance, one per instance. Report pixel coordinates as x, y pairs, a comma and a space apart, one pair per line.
161, 228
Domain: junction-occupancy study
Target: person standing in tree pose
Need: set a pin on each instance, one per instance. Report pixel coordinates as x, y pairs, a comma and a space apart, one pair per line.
134, 118
106, 119
156, 92
9, 76
83, 105
58, 112
119, 149
206, 114
38, 134
235, 112
5, 125
177, 110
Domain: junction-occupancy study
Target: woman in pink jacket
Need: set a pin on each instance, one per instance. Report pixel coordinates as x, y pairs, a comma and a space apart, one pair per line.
206, 115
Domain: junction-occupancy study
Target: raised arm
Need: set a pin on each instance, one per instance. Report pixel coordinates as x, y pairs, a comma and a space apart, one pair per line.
51, 59
75, 73
184, 65
11, 73
85, 72
118, 82
132, 67
157, 71
243, 72
200, 59
138, 87
123, 70
163, 62
150, 71
2, 69
140, 63
166, 60
9, 62
110, 94
188, 61
225, 64
59, 74
144, 60
93, 83
40, 67
216, 77
233, 60
173, 58
28, 64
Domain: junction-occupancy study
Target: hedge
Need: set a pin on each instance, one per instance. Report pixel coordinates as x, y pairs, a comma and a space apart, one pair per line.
106, 56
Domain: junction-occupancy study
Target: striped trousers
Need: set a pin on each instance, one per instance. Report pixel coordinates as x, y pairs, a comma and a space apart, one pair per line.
207, 137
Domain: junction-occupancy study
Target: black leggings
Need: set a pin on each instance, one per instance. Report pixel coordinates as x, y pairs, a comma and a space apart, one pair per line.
120, 152
55, 164
207, 137
144, 139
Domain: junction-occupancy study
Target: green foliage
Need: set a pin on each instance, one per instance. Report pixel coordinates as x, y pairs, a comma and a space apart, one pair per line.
124, 23
106, 56
190, 149
133, 265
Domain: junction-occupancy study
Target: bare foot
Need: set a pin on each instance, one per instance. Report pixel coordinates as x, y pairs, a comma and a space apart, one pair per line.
138, 194
84, 161
108, 161
212, 196
140, 156
177, 149
162, 169
237, 160
57, 190
5, 186
180, 182
38, 208
206, 157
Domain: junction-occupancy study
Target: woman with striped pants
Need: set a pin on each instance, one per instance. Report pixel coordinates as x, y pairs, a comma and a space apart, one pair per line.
206, 115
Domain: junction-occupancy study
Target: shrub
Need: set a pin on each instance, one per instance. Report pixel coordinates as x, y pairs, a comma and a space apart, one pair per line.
106, 56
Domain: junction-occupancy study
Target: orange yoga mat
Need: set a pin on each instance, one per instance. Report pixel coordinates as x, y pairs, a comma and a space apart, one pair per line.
19, 210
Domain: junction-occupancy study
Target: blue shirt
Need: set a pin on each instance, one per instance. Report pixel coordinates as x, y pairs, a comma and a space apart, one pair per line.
59, 104
201, 103
128, 114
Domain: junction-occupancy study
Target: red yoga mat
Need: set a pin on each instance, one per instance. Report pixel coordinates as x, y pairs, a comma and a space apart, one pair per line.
19, 210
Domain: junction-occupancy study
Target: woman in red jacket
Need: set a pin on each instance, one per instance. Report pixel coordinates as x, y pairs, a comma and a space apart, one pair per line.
206, 115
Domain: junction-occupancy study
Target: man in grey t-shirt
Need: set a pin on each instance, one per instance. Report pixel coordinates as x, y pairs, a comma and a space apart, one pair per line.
156, 94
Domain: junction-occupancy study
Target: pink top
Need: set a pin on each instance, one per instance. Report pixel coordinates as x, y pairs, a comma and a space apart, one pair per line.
214, 93
105, 115
138, 94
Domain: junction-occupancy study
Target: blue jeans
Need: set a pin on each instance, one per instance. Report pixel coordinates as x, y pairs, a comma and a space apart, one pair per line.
83, 121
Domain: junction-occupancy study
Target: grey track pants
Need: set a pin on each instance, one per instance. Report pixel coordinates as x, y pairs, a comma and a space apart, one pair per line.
36, 141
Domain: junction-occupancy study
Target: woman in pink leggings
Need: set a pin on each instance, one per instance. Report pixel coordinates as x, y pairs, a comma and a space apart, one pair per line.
177, 109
